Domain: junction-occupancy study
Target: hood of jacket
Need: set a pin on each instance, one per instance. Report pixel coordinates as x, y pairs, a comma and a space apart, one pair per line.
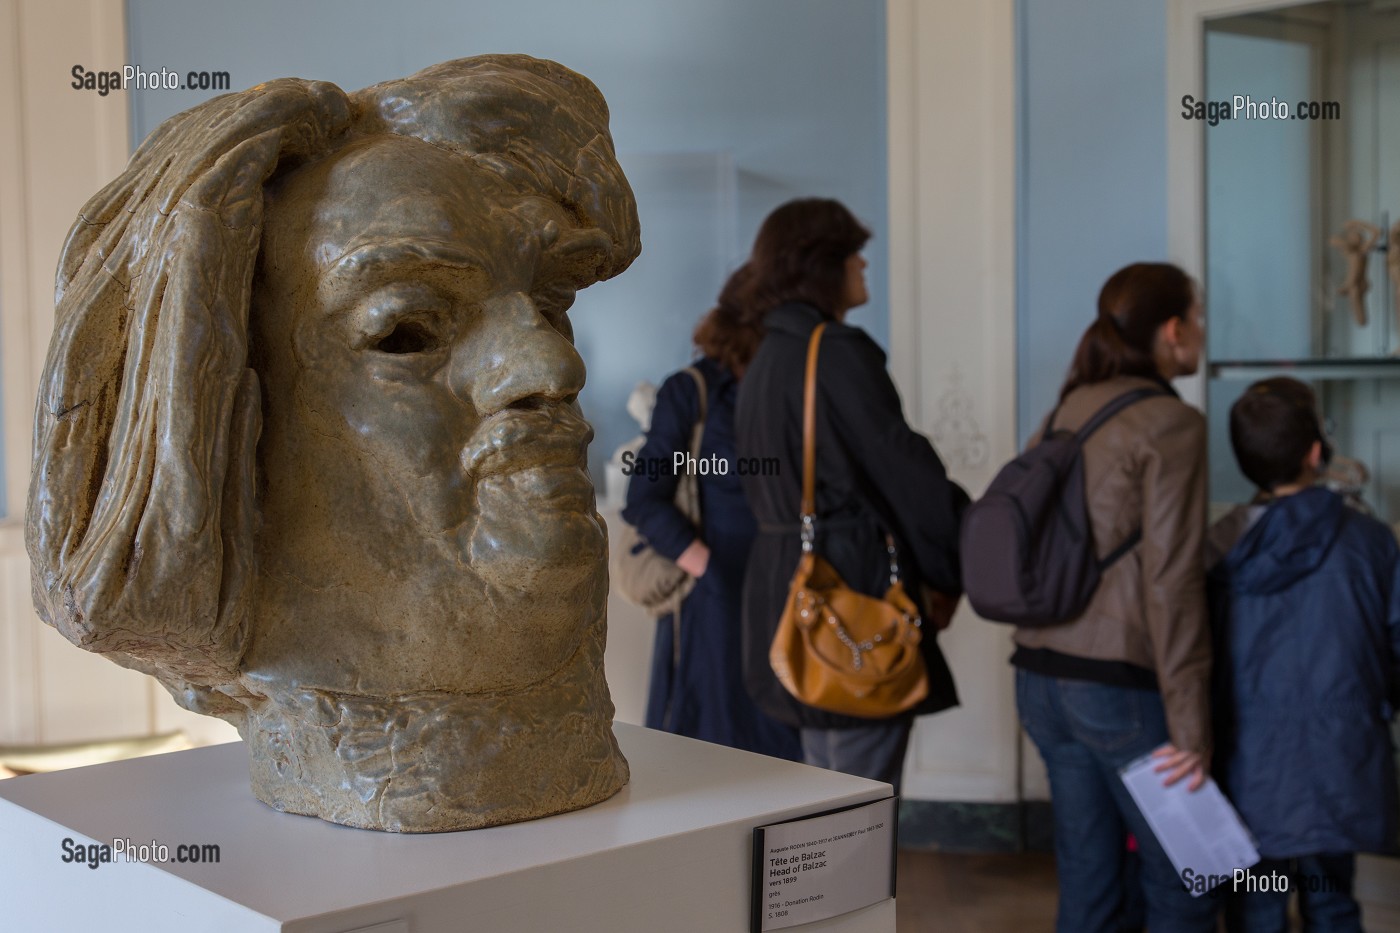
1288, 542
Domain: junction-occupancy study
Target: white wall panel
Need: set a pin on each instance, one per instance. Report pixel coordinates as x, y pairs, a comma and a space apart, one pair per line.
952, 326
61, 147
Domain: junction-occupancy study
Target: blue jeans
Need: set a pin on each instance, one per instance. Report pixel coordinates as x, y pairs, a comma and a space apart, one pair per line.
1086, 732
875, 751
1325, 902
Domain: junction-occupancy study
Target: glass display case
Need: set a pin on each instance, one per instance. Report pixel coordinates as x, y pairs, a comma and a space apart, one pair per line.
1302, 231
1302, 214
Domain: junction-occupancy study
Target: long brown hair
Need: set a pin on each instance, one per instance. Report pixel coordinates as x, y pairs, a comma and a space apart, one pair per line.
800, 254
1133, 305
726, 333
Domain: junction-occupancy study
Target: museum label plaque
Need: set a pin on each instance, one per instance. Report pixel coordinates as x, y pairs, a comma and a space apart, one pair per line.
823, 866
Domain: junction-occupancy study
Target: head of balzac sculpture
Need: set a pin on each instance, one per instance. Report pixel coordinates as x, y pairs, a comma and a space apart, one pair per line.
308, 444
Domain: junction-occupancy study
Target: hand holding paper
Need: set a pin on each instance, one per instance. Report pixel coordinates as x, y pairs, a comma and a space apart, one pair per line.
1180, 764
1198, 828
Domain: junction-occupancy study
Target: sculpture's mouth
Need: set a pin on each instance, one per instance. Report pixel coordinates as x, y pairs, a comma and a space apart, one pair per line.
550, 439
560, 485
532, 457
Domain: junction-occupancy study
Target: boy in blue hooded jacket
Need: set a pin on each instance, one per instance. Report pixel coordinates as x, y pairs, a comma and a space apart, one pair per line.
1306, 611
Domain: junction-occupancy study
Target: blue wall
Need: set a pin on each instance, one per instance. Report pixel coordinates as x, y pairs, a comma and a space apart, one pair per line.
721, 110
1092, 172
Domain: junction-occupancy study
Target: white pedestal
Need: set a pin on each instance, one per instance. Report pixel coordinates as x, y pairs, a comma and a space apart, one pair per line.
671, 852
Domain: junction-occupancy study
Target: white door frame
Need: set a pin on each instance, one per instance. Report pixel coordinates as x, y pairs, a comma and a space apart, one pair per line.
1186, 153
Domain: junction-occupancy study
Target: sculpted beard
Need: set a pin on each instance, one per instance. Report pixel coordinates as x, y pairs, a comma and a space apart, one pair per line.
529, 462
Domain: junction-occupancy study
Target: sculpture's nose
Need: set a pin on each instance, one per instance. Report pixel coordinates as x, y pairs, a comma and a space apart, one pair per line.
515, 356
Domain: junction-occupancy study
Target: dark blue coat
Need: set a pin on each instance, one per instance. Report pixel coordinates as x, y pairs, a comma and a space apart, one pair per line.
697, 685
1306, 608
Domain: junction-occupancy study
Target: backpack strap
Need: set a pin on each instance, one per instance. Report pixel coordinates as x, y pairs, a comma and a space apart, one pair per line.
1100, 417
688, 496
704, 401
1113, 556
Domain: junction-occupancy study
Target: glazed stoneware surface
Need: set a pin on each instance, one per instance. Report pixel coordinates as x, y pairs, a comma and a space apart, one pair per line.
308, 445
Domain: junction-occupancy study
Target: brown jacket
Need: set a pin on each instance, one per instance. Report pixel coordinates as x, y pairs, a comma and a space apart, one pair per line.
1146, 467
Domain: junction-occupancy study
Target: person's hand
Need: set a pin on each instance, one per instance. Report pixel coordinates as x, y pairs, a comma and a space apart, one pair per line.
1179, 764
695, 559
938, 607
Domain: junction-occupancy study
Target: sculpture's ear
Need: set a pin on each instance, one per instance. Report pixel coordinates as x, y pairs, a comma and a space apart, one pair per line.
140, 509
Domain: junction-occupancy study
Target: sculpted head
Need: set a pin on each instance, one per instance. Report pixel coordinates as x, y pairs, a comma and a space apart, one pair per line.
309, 449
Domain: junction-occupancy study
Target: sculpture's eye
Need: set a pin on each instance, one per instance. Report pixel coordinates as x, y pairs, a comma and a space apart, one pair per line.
407, 337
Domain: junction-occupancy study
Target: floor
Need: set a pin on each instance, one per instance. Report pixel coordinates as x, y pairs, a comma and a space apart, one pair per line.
942, 892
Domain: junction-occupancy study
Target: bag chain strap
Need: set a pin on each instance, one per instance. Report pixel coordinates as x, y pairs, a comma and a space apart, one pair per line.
856, 647
809, 443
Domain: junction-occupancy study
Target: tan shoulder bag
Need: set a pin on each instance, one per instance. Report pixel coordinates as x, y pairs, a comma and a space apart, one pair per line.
837, 649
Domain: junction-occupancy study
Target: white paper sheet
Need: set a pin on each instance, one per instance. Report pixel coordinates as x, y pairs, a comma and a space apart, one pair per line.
1200, 831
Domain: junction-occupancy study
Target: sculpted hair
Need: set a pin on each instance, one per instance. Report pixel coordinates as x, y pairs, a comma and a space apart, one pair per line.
800, 254
486, 108
142, 512
1133, 305
1273, 425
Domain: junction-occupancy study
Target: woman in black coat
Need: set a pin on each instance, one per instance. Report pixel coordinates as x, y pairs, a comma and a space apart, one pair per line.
875, 474
696, 687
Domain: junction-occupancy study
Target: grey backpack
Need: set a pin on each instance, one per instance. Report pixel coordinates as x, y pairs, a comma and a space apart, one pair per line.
1027, 545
